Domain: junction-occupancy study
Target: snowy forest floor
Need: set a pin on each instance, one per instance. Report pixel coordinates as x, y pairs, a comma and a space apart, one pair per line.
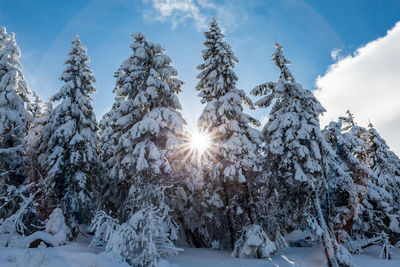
78, 254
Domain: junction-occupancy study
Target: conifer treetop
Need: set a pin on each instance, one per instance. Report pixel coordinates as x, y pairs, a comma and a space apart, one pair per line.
13, 116
217, 76
11, 77
233, 139
145, 119
77, 74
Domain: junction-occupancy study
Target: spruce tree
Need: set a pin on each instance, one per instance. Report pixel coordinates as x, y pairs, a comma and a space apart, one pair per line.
140, 135
381, 207
33, 139
37, 141
17, 207
233, 156
145, 120
348, 181
13, 116
296, 158
73, 163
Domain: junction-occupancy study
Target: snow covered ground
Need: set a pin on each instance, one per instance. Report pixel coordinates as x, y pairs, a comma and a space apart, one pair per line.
79, 255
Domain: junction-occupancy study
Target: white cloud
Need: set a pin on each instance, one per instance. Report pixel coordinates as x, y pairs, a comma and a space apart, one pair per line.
177, 11
199, 11
367, 83
335, 54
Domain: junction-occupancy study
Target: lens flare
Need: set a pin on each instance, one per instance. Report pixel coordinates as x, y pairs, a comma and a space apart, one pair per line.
200, 142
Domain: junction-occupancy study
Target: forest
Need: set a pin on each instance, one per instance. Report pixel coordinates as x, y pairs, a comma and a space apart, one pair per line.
141, 186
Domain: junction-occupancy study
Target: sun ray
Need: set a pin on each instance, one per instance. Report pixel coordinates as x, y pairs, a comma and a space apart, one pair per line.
200, 142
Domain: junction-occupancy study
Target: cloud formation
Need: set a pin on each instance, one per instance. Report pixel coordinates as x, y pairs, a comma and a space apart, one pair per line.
368, 84
178, 11
199, 11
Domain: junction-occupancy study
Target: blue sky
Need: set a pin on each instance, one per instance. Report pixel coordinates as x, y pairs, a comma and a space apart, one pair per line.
308, 30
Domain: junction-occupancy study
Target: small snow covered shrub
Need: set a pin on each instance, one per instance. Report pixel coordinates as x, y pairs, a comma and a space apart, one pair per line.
57, 227
142, 240
103, 226
253, 242
16, 206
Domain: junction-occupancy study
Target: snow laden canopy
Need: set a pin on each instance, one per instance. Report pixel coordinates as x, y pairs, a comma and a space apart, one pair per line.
232, 156
13, 97
349, 179
381, 208
297, 158
142, 129
294, 143
72, 149
141, 135
232, 137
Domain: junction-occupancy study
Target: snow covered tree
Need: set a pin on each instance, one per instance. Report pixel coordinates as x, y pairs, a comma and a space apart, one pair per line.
13, 98
57, 227
73, 164
349, 179
380, 214
142, 240
296, 157
17, 212
234, 143
253, 242
144, 122
33, 139
140, 135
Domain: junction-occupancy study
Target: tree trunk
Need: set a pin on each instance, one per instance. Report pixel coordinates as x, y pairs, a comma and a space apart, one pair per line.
229, 215
326, 238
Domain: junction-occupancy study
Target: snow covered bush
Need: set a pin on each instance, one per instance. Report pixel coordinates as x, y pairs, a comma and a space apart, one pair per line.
253, 242
57, 227
17, 209
103, 226
142, 240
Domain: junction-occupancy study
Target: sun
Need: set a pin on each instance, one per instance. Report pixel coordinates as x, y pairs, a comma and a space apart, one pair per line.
200, 142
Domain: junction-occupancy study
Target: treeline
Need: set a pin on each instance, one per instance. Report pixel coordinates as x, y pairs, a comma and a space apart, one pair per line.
135, 184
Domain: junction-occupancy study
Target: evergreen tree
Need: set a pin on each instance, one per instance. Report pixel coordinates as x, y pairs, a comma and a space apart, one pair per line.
32, 139
234, 143
144, 122
348, 181
13, 98
381, 206
37, 142
73, 163
296, 157
140, 135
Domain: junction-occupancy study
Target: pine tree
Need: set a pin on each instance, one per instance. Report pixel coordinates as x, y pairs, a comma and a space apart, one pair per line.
36, 143
33, 139
381, 207
349, 179
145, 119
73, 163
234, 143
13, 98
140, 135
296, 157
